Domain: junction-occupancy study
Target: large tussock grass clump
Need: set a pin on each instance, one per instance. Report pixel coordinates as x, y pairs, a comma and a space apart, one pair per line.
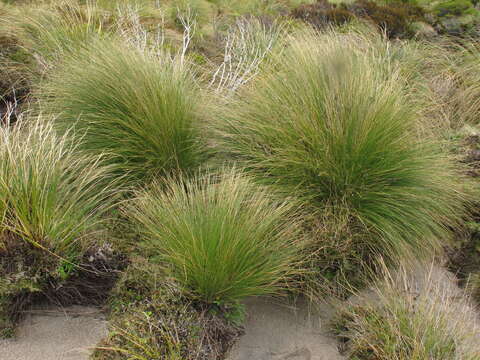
223, 238
52, 205
411, 315
141, 110
328, 127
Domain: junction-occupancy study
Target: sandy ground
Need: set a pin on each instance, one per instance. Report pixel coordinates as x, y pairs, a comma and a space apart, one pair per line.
56, 334
275, 331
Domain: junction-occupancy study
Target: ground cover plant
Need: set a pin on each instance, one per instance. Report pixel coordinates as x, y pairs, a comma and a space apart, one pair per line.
147, 124
52, 203
223, 239
305, 131
411, 316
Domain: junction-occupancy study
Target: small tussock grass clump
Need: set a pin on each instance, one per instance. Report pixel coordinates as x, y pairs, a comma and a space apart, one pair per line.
152, 318
52, 202
327, 127
411, 316
51, 194
51, 31
141, 110
467, 95
223, 239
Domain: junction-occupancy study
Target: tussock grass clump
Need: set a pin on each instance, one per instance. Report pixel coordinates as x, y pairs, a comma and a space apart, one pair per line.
467, 95
143, 111
409, 316
52, 204
51, 31
51, 194
223, 238
330, 129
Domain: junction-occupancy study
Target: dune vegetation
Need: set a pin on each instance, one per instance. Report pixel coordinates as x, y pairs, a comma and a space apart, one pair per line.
171, 159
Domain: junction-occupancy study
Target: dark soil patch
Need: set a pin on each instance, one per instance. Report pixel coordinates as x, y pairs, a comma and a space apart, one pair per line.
29, 275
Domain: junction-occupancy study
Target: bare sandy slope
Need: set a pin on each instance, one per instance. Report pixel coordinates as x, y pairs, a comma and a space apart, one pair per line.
278, 332
56, 334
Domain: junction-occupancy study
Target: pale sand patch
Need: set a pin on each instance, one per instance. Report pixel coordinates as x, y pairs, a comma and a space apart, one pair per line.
56, 334
274, 331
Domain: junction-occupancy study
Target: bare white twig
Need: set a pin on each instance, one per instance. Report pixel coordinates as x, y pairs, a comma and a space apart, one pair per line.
134, 32
247, 45
10, 109
187, 19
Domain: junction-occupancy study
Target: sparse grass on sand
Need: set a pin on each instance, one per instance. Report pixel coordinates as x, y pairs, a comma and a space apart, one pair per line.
415, 314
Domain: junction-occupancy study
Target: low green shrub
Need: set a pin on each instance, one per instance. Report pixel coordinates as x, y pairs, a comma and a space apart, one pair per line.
329, 128
322, 13
52, 204
410, 316
459, 18
454, 8
153, 319
141, 110
395, 18
222, 238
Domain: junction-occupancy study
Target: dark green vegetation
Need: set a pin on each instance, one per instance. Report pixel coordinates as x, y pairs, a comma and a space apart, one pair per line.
169, 159
395, 19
